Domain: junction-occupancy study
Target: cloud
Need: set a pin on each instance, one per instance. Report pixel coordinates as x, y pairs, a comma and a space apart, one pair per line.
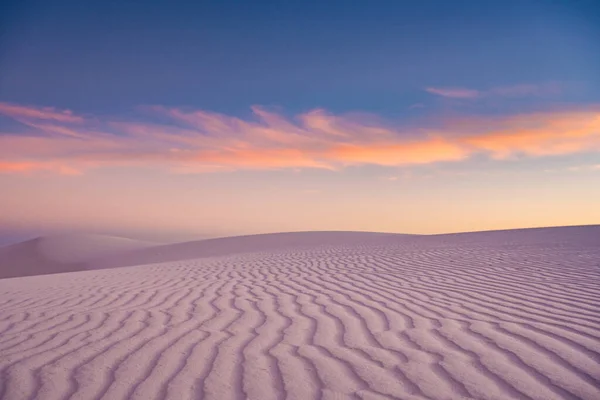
29, 166
454, 92
540, 134
526, 90
425, 151
193, 141
19, 112
522, 90
589, 167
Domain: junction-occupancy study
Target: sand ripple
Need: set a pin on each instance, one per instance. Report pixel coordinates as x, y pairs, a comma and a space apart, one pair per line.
428, 318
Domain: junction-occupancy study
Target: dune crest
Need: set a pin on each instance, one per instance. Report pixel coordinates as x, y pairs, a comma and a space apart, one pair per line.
61, 253
69, 253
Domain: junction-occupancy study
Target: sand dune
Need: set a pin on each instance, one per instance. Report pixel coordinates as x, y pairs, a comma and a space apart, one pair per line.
69, 253
240, 244
61, 253
491, 315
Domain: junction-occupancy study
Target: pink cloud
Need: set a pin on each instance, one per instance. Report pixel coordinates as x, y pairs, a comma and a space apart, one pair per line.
31, 166
199, 141
454, 92
522, 90
38, 113
540, 134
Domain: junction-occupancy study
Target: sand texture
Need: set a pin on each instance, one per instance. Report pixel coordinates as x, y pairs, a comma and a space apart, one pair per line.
490, 315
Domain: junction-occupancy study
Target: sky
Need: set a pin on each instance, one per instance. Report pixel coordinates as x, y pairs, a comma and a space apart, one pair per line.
170, 120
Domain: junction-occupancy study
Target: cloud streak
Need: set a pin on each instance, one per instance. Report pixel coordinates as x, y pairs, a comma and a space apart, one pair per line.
191, 141
523, 90
454, 92
19, 112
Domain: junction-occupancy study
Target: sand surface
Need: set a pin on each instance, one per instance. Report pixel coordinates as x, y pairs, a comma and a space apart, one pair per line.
490, 315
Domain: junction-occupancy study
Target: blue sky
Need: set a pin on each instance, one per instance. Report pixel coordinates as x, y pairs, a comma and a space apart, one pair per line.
294, 108
227, 55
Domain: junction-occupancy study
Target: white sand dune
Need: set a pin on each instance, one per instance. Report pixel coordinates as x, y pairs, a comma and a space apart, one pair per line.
490, 315
61, 253
238, 245
69, 253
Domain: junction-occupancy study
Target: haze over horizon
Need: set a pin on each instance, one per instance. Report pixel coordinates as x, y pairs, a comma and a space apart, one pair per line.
181, 121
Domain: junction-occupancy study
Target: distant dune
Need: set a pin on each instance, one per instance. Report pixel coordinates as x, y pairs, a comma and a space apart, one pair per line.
69, 253
61, 253
322, 315
242, 244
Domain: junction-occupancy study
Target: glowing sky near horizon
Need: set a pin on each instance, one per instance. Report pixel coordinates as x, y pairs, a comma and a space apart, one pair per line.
175, 120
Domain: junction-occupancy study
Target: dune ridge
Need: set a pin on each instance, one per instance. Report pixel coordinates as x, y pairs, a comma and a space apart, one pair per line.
471, 316
70, 253
62, 253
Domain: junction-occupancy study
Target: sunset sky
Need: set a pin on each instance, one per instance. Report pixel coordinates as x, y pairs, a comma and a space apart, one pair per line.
180, 120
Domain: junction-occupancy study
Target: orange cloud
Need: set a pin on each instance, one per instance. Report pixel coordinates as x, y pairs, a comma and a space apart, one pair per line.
392, 154
200, 141
541, 135
28, 166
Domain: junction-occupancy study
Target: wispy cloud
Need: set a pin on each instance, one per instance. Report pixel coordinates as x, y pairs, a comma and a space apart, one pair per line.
575, 168
29, 166
588, 167
454, 92
38, 113
539, 134
522, 90
191, 141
